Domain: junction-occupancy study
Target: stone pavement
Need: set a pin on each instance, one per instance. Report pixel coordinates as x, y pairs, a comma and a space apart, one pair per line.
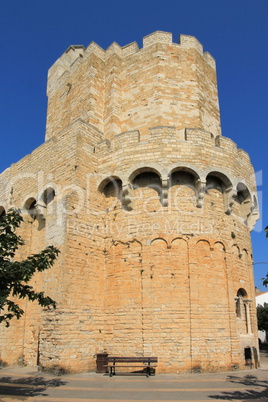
27, 384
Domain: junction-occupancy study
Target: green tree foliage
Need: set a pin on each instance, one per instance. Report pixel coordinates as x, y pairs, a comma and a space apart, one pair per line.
262, 315
15, 275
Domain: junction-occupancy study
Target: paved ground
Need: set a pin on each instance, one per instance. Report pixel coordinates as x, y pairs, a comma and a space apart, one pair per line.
26, 384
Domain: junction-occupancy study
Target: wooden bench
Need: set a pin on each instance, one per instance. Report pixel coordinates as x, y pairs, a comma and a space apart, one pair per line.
147, 363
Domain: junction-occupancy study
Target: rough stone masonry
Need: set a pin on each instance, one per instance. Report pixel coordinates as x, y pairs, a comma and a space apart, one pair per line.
151, 208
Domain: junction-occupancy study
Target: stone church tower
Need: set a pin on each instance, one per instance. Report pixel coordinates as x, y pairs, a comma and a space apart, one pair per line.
151, 208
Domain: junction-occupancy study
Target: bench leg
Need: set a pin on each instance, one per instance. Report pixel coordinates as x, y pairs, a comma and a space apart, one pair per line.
148, 372
111, 371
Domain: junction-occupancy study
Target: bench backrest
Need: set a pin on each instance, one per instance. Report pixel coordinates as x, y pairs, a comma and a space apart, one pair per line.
135, 359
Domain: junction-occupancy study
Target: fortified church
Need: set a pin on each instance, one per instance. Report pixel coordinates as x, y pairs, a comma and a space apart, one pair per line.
151, 208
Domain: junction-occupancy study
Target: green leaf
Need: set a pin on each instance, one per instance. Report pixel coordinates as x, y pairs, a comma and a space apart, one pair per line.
14, 275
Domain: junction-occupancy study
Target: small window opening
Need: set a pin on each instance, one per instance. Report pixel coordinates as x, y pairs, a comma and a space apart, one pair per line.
241, 294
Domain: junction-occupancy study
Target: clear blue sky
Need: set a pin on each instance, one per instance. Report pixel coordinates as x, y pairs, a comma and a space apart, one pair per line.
34, 33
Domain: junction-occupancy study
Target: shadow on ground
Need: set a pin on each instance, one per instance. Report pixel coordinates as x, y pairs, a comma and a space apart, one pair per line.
250, 381
27, 386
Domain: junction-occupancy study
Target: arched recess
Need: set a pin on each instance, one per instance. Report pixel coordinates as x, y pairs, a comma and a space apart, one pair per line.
2, 211
159, 241
141, 168
111, 189
158, 260
179, 265
147, 189
182, 189
243, 201
236, 250
242, 307
210, 290
123, 293
217, 189
30, 207
241, 294
203, 249
218, 245
169, 293
245, 255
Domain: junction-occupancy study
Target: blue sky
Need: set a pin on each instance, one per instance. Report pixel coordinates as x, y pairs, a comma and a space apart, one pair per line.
34, 33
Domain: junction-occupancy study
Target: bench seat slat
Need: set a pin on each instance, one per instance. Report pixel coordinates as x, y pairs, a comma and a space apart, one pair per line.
134, 359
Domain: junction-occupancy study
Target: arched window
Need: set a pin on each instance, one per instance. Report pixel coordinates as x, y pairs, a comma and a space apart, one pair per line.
241, 294
30, 206
243, 308
147, 194
244, 199
111, 188
148, 179
181, 177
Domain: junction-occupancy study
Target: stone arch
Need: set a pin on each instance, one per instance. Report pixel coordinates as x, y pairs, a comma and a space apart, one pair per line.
220, 174
111, 189
217, 180
242, 307
202, 242
146, 187
183, 177
242, 292
187, 167
144, 167
159, 240
236, 250
219, 246
148, 178
203, 253
245, 254
240, 295
182, 189
244, 200
107, 180
217, 192
30, 207
179, 266
178, 239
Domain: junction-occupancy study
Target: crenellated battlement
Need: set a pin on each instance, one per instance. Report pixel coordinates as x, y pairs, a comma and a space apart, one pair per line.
125, 88
159, 136
74, 52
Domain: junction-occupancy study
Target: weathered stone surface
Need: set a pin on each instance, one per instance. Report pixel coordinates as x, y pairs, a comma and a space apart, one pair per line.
151, 208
